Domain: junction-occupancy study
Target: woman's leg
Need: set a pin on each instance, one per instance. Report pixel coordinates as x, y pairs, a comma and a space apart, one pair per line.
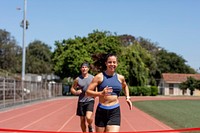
100, 129
113, 125
112, 128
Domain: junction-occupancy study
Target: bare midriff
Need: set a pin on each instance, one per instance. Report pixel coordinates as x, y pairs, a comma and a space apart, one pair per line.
108, 100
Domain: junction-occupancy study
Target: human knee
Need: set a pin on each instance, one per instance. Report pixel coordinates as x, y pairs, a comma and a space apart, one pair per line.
88, 117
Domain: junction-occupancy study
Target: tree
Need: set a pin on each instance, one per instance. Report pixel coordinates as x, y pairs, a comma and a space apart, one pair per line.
99, 45
183, 86
69, 54
134, 57
68, 57
127, 40
165, 61
198, 84
140, 61
10, 53
169, 62
148, 45
191, 84
38, 59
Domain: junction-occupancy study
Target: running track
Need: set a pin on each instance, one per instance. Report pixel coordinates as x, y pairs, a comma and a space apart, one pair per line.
58, 115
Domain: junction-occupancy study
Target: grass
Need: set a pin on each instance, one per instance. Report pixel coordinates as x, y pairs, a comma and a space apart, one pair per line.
174, 113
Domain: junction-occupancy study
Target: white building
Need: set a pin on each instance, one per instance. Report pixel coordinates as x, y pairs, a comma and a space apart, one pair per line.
169, 84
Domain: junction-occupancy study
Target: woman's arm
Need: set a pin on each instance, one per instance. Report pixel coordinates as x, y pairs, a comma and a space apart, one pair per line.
92, 88
126, 91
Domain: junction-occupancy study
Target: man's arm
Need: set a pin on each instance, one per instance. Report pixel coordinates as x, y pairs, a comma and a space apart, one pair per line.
73, 89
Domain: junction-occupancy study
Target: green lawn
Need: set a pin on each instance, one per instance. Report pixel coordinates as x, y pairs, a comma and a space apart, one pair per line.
174, 113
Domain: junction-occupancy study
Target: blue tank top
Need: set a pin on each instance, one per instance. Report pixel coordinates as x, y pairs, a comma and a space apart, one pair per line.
110, 81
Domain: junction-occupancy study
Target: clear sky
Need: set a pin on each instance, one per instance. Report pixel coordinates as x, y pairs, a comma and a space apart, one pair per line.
172, 24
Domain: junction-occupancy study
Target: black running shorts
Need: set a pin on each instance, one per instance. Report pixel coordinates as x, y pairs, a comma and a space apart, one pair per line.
83, 107
104, 117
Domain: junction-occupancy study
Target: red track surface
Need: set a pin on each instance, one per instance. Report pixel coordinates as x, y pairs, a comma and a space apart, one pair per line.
58, 115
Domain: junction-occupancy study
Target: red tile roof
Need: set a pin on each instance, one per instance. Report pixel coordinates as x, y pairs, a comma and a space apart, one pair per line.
178, 77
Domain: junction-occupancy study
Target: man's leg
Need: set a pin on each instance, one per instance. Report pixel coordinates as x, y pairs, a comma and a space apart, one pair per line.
89, 119
89, 115
83, 125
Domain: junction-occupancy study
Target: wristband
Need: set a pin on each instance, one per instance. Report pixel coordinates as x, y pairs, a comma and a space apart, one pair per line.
128, 97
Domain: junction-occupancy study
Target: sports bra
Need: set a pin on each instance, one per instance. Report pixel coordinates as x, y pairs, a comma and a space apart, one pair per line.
111, 81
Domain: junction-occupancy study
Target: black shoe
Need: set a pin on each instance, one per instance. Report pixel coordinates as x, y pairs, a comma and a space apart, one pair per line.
90, 128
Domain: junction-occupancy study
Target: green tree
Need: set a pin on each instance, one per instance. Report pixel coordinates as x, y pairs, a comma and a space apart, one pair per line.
68, 56
10, 53
140, 61
165, 61
198, 84
127, 40
38, 58
169, 62
148, 45
100, 44
191, 84
138, 72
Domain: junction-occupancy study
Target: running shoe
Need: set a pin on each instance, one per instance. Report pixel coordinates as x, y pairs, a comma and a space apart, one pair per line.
90, 128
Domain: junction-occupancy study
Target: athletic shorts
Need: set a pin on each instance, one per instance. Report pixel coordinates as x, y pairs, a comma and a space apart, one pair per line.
107, 115
83, 107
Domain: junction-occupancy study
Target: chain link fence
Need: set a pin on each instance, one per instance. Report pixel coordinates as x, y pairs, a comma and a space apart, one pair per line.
14, 92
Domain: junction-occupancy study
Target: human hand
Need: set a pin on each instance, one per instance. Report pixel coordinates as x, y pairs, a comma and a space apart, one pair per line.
107, 91
78, 92
129, 103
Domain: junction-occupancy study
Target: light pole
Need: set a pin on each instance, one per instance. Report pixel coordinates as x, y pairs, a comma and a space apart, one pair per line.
24, 46
24, 24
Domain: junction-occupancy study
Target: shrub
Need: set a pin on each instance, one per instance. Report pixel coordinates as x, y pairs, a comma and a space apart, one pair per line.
142, 91
146, 91
154, 90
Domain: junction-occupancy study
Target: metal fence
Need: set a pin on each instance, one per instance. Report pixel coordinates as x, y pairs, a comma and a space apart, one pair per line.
13, 92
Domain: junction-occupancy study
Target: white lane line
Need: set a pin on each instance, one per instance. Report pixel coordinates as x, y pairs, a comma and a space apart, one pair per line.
44, 117
19, 115
129, 124
66, 122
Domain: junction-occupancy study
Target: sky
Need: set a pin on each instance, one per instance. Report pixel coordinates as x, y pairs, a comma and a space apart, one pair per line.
172, 24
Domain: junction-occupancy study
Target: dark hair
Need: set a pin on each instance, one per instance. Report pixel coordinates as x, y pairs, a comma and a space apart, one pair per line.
108, 55
106, 58
99, 61
85, 64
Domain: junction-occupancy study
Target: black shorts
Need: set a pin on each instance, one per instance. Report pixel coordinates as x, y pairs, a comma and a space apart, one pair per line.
104, 117
83, 107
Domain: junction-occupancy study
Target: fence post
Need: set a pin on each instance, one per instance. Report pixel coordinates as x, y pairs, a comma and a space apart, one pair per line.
4, 93
22, 90
14, 89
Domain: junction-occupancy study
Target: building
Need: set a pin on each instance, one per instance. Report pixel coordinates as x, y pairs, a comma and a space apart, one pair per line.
169, 84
